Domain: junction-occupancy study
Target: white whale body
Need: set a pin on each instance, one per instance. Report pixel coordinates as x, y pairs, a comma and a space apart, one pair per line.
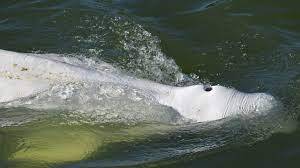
23, 75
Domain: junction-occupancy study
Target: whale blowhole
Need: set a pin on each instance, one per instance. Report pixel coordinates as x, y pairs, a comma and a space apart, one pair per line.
208, 88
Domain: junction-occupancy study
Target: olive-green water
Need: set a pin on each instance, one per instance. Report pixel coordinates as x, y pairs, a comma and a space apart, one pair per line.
251, 45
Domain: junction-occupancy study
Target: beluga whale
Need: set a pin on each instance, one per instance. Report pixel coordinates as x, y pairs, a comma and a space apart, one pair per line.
25, 75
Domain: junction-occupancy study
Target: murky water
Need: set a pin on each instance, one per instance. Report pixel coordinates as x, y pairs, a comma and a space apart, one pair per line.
252, 45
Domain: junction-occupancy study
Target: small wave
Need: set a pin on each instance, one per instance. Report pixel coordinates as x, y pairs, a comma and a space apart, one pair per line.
134, 49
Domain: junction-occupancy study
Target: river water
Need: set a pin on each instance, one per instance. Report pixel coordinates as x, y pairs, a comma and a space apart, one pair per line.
253, 46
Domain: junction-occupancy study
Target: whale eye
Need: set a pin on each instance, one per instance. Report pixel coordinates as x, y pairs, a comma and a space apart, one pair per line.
207, 88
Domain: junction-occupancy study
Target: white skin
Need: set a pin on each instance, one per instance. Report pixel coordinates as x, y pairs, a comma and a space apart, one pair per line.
22, 75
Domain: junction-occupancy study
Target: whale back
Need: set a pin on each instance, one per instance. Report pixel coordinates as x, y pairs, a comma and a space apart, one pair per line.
34, 73
22, 74
12, 89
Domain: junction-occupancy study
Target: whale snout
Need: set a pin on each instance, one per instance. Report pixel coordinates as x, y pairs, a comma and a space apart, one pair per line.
264, 102
252, 104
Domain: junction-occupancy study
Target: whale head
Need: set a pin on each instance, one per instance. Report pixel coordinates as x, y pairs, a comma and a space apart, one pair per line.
206, 103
